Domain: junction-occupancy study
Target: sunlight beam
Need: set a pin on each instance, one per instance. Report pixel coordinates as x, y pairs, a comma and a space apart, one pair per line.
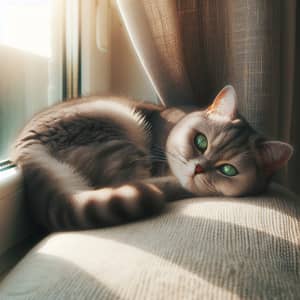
26, 25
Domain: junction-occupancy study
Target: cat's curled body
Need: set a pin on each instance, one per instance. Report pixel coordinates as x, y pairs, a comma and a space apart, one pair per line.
97, 162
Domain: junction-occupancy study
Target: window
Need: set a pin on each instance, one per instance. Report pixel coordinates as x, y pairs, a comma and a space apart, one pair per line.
31, 53
55, 49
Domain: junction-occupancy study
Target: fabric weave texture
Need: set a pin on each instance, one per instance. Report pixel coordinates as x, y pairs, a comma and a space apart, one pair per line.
203, 248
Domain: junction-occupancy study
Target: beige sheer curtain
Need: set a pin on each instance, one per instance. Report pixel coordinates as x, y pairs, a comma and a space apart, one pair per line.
191, 48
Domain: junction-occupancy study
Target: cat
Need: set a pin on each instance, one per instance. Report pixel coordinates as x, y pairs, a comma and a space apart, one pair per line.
96, 162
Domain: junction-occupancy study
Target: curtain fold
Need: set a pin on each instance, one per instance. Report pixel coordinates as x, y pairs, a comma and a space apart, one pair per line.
153, 30
201, 45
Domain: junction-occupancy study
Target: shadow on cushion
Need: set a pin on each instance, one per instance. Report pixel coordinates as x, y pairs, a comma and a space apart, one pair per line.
208, 248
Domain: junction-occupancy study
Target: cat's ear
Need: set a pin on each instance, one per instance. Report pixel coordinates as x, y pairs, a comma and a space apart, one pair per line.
274, 155
225, 104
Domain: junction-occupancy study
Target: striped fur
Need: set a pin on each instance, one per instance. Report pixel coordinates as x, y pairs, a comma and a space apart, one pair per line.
70, 153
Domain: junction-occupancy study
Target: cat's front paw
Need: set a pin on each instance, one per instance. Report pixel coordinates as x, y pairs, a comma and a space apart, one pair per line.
116, 205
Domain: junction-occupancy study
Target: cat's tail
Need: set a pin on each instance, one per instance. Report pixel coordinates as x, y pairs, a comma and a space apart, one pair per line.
60, 198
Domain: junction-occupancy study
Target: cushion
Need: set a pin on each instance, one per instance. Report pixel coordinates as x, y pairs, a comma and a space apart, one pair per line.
202, 248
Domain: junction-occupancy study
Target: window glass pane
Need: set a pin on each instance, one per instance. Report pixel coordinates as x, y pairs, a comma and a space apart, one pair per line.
30, 60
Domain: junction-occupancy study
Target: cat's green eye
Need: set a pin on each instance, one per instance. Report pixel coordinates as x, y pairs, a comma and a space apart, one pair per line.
201, 142
228, 170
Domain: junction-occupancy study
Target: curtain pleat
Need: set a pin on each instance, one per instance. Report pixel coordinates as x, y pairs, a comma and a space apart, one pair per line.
154, 32
205, 31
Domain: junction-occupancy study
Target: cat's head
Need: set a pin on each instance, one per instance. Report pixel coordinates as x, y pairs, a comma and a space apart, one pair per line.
216, 152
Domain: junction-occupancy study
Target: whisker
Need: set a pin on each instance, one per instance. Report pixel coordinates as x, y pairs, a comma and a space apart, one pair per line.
164, 151
177, 156
157, 149
150, 158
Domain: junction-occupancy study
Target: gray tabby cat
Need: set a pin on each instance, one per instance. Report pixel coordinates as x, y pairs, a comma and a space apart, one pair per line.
97, 162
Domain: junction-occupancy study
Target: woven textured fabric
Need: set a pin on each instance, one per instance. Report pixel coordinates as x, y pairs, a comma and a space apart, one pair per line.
205, 248
236, 42
202, 45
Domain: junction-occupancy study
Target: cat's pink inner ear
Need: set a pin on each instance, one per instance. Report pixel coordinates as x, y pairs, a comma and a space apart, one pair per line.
274, 155
225, 104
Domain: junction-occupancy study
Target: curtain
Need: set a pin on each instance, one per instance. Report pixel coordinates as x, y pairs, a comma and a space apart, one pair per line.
190, 49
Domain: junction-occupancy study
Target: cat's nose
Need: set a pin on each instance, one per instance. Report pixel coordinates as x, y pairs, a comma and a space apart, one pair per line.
198, 169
